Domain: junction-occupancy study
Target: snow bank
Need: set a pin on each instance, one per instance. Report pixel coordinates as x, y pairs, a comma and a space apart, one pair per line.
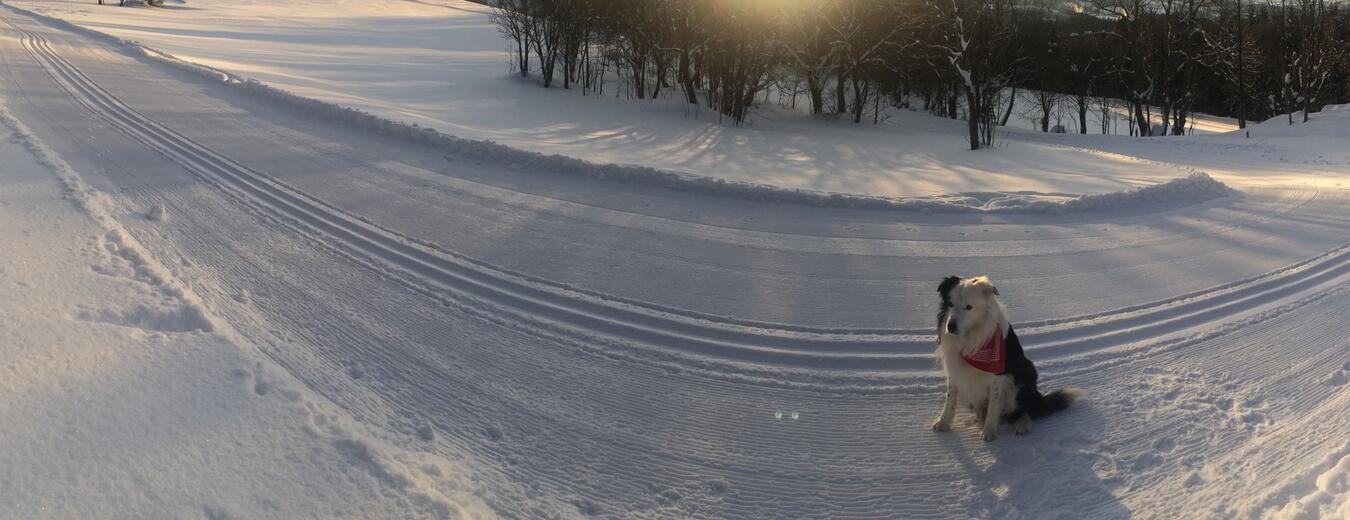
116, 240
1325, 495
1332, 121
1193, 189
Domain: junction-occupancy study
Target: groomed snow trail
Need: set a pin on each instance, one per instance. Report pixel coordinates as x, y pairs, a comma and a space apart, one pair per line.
612, 350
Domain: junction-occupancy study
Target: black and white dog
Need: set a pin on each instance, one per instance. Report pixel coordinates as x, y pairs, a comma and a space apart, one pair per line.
984, 363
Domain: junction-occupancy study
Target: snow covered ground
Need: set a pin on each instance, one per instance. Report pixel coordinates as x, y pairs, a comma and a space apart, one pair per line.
225, 306
123, 397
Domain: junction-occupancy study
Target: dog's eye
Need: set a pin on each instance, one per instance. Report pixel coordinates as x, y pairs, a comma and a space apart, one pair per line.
969, 307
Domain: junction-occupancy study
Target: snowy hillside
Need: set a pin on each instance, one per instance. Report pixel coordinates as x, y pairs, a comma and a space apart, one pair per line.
441, 64
224, 301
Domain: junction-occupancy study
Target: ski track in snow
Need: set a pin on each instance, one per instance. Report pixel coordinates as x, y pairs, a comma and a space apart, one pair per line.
579, 402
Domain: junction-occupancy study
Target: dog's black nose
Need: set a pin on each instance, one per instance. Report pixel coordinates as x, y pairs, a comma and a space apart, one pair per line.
951, 327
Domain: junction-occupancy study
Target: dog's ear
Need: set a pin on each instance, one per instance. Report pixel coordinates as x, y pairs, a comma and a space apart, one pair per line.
983, 283
948, 283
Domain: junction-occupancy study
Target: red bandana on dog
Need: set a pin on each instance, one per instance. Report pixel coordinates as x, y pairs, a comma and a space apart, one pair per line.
991, 357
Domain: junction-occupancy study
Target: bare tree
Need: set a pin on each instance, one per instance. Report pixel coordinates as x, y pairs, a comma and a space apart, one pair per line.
688, 37
512, 20
1228, 54
1128, 33
975, 37
805, 40
864, 31
1316, 55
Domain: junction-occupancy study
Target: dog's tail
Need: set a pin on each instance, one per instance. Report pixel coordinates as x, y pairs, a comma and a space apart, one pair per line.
1053, 402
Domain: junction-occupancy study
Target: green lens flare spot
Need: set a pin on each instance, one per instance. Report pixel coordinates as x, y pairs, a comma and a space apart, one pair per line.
795, 415
778, 415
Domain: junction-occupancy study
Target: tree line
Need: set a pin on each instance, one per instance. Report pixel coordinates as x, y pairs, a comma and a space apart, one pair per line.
1158, 61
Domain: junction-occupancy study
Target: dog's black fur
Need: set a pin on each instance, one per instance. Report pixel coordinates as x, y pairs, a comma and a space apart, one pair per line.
1029, 398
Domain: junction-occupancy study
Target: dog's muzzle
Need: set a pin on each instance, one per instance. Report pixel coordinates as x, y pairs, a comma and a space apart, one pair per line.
951, 327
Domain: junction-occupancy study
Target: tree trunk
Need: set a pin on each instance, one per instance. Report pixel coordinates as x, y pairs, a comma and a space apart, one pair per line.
817, 90
523, 47
876, 109
1012, 100
687, 79
973, 117
1141, 120
1166, 118
859, 98
660, 76
568, 58
839, 94
546, 67
1241, 72
1082, 115
640, 74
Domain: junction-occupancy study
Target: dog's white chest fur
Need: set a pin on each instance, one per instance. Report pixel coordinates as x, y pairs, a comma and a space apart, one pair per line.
973, 386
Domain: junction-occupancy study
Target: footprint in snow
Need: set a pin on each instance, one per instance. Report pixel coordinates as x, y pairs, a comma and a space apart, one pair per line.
1255, 418
157, 214
216, 513
668, 496
1340, 377
1147, 461
173, 318
588, 507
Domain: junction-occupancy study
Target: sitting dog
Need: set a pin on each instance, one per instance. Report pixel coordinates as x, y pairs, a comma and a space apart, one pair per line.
984, 363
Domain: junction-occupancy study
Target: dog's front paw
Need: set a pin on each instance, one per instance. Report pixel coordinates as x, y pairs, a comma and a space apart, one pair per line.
941, 425
990, 435
1022, 426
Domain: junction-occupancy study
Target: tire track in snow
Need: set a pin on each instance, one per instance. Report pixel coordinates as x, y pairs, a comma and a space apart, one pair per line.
665, 332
